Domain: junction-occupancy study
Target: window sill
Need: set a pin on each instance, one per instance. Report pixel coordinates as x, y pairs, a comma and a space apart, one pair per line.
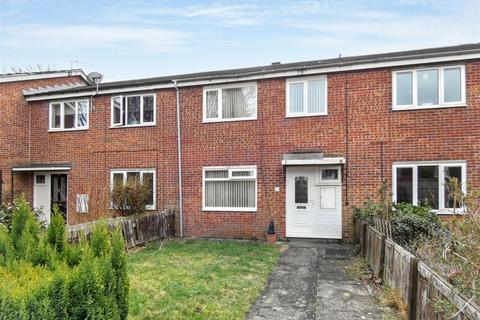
448, 212
410, 108
133, 126
306, 115
229, 120
67, 130
250, 210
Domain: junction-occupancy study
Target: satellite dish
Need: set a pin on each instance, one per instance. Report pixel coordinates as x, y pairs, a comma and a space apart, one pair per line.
95, 77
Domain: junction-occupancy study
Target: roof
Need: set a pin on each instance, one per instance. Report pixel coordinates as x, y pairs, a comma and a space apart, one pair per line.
464, 51
43, 167
25, 76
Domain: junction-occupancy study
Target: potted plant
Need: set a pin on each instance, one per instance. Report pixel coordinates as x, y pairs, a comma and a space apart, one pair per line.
271, 234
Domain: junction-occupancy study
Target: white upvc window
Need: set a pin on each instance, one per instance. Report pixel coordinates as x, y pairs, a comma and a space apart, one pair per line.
426, 183
133, 110
306, 96
433, 87
230, 102
230, 188
121, 176
68, 115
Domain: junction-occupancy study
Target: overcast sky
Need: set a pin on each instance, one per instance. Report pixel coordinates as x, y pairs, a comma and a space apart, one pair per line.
136, 39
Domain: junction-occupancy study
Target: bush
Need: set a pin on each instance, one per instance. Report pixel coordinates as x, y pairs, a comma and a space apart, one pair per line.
409, 223
48, 278
456, 253
130, 198
56, 236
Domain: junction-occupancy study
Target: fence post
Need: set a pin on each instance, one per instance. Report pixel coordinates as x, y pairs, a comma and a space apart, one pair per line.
382, 257
363, 239
412, 290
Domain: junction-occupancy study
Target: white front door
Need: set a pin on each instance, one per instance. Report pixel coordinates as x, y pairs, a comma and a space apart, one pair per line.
42, 194
314, 202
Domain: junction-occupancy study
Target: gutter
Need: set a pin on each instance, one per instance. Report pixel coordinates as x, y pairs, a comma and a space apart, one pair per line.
179, 156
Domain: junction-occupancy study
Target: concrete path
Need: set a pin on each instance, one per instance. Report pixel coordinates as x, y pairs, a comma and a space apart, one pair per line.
310, 283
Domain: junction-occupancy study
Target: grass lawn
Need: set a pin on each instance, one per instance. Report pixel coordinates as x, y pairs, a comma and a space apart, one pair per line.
198, 279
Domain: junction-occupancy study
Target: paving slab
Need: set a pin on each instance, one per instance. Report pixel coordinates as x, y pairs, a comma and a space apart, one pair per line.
310, 282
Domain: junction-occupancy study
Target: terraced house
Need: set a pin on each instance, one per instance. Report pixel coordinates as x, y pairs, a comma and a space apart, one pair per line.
299, 143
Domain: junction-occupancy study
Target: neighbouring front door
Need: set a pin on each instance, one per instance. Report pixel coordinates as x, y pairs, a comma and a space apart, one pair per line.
49, 190
59, 193
313, 202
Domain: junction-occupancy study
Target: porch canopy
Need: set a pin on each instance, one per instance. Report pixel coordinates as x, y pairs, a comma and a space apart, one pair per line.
309, 158
42, 167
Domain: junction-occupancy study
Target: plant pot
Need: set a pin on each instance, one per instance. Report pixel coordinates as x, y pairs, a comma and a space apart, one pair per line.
271, 238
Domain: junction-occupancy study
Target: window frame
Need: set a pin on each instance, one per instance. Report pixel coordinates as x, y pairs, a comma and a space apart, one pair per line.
230, 178
141, 172
441, 178
124, 109
219, 90
62, 115
304, 81
441, 88
44, 179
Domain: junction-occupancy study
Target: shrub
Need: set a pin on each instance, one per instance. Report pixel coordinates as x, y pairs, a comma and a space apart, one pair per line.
48, 278
130, 198
456, 253
409, 223
56, 235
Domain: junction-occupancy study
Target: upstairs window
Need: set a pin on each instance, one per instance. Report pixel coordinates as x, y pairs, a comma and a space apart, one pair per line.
429, 88
307, 97
230, 103
230, 189
68, 115
133, 110
428, 184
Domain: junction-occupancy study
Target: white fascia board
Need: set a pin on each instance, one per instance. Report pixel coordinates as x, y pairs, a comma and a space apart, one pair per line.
273, 74
22, 169
325, 161
27, 77
54, 96
334, 69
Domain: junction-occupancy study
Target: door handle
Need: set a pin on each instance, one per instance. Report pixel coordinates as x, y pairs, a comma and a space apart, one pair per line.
301, 207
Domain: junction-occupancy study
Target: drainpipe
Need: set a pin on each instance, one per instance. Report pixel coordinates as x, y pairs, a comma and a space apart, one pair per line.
179, 150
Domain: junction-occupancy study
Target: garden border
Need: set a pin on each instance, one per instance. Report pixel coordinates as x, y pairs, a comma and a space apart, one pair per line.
418, 285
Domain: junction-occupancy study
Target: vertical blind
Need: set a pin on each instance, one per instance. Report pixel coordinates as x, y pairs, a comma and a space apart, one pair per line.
231, 103
236, 191
307, 97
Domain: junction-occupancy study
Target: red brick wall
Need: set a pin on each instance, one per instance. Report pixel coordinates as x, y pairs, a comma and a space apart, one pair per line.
435, 134
362, 97
94, 152
14, 130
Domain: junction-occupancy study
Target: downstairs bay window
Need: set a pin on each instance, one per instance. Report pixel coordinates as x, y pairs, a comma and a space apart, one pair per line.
230, 102
230, 188
133, 110
145, 176
427, 183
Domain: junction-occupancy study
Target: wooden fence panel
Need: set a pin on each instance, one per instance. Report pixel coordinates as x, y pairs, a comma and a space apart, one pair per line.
135, 231
375, 250
419, 287
400, 270
432, 288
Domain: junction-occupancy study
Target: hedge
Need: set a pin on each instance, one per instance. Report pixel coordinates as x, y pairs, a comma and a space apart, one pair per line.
45, 277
